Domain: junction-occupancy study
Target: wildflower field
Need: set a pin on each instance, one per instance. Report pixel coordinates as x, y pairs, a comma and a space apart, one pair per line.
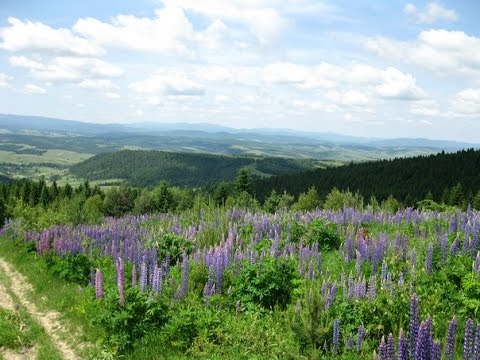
232, 284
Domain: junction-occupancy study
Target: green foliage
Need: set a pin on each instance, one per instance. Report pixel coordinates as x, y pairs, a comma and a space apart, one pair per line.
172, 245
270, 282
119, 201
74, 268
148, 168
404, 178
123, 325
391, 205
325, 234
476, 201
11, 334
308, 201
243, 182
338, 200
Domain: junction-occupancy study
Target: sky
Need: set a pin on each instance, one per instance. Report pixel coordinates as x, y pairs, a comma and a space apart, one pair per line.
366, 68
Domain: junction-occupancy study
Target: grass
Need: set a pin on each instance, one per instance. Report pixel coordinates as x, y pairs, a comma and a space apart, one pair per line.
52, 294
18, 330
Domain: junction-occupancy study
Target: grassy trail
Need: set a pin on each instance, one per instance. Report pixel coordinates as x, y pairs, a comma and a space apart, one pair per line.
15, 293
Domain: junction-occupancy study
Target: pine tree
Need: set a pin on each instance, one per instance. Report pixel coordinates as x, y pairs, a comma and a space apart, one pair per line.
244, 182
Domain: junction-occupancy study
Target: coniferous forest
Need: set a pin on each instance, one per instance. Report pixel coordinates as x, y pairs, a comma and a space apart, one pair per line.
218, 272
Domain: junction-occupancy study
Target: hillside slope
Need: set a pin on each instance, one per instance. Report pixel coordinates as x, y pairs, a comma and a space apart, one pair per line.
407, 179
147, 168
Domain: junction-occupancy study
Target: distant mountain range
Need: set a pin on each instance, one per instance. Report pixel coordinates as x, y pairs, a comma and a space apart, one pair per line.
44, 125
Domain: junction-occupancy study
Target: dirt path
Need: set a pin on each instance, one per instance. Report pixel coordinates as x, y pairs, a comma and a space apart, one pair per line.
6, 301
48, 320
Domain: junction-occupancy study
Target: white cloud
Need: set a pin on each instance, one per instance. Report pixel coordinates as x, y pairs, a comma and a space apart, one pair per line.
445, 52
22, 61
354, 98
68, 69
170, 31
4, 80
98, 84
38, 37
466, 103
33, 90
432, 13
262, 18
166, 82
286, 73
425, 108
399, 86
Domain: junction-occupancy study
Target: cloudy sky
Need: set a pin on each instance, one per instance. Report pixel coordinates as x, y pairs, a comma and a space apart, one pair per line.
370, 68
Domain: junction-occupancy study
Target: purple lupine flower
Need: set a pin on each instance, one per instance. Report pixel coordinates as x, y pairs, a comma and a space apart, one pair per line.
476, 346
422, 350
443, 246
382, 349
143, 277
436, 351
350, 343
219, 274
183, 288
454, 247
372, 291
402, 346
120, 282
414, 323
134, 275
468, 340
390, 347
450, 341
383, 272
99, 284
429, 259
358, 263
413, 258
336, 336
360, 336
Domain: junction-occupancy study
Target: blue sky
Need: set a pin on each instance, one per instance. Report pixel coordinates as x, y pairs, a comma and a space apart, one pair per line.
383, 68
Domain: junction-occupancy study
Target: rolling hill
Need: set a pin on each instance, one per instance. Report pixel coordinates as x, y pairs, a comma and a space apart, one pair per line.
147, 168
407, 179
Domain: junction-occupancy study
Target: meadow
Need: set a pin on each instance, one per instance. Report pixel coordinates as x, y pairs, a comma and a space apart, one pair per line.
216, 283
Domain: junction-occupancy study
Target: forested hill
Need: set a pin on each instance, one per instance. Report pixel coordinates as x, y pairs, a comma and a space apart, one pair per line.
4, 178
147, 168
407, 179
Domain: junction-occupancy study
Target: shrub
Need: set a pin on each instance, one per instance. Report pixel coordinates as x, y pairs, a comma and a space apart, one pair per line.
324, 234
70, 267
123, 325
269, 283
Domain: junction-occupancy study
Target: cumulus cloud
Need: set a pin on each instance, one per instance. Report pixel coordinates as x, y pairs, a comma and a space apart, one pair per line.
399, 86
442, 51
165, 82
170, 31
68, 69
389, 83
37, 37
261, 17
32, 89
432, 13
466, 103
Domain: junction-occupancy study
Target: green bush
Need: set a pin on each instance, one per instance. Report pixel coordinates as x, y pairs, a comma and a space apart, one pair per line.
172, 245
73, 268
270, 282
124, 325
324, 234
